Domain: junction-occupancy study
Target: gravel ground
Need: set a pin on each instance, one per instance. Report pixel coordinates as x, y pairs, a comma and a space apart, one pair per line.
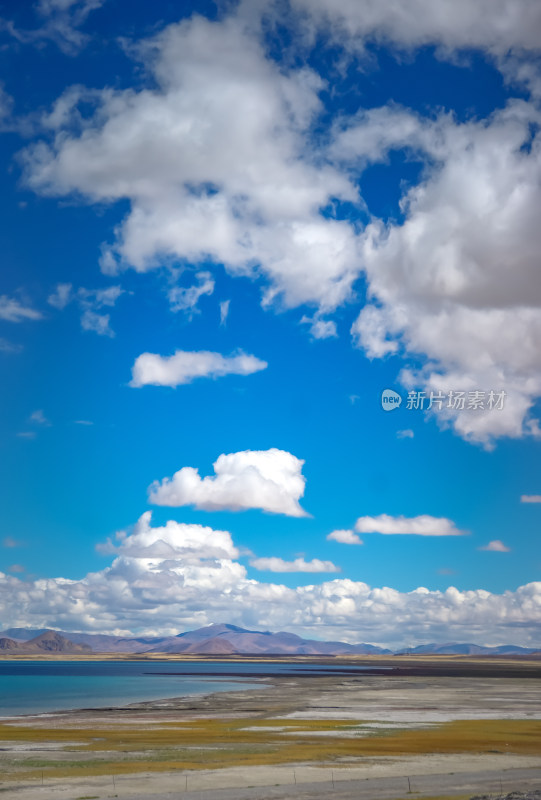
493, 785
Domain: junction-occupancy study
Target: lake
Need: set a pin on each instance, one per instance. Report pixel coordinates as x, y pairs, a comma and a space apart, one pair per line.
31, 687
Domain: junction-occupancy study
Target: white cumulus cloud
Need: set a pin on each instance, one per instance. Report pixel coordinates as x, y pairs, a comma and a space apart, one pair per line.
344, 537
151, 369
530, 498
214, 163
456, 283
270, 480
320, 328
496, 546
174, 540
423, 525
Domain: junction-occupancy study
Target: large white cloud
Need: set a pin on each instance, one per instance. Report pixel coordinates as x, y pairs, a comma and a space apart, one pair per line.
151, 369
458, 283
177, 576
214, 163
271, 480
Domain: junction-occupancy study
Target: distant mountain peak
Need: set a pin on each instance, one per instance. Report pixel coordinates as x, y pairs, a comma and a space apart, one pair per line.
46, 642
215, 629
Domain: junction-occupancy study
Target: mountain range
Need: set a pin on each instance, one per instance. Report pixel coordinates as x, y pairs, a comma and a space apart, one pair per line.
221, 639
45, 642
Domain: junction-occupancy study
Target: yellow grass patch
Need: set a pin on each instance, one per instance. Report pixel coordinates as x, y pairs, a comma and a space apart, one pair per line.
218, 743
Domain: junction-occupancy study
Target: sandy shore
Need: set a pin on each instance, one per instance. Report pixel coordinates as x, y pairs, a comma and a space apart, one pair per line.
344, 717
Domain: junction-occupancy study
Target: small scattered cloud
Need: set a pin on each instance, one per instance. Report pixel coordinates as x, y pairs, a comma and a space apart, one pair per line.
530, 498
270, 480
26, 434
98, 298
446, 571
16, 568
344, 537
90, 302
98, 323
39, 418
274, 564
62, 296
405, 434
496, 546
353, 398
151, 369
320, 328
10, 542
224, 311
186, 298
423, 525
11, 310
9, 347
7, 122
59, 21
83, 422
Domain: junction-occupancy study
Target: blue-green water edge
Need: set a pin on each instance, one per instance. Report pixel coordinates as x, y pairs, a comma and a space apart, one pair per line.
33, 687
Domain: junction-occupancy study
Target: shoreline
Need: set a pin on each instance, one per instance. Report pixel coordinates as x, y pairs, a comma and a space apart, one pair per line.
448, 665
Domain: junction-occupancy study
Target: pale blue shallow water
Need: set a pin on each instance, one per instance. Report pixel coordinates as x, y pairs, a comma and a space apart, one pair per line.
32, 687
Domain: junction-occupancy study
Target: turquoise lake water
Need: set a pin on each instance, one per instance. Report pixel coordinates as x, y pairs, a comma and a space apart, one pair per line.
37, 687
31, 687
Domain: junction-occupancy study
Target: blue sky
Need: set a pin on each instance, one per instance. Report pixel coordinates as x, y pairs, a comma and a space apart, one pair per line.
227, 229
